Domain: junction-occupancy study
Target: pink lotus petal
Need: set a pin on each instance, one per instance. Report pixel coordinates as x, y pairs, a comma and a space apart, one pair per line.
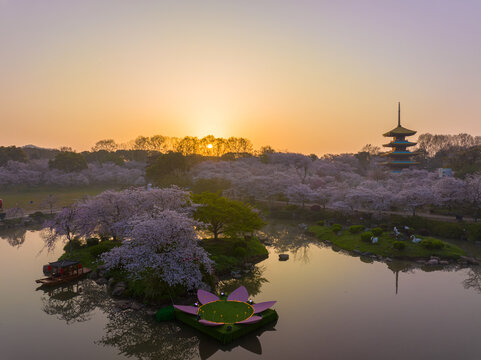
187, 309
210, 323
206, 297
239, 294
260, 307
251, 320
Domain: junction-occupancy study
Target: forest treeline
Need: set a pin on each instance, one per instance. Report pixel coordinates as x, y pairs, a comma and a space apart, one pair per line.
163, 160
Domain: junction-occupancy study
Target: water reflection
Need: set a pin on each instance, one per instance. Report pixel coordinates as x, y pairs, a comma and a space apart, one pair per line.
136, 334
74, 302
474, 279
288, 237
15, 236
252, 281
251, 343
347, 294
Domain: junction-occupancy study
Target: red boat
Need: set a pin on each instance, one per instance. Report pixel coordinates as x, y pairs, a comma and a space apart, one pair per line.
62, 271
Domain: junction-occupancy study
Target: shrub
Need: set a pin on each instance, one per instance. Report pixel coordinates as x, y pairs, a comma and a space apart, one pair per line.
240, 252
240, 243
424, 232
432, 244
356, 229
292, 207
377, 231
473, 232
399, 245
437, 228
102, 247
366, 236
336, 228
76, 244
92, 241
320, 223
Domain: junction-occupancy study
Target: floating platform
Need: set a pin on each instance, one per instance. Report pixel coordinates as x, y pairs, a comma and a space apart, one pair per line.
223, 318
228, 332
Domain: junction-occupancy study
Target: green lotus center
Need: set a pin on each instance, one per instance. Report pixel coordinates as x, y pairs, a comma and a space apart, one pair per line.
224, 311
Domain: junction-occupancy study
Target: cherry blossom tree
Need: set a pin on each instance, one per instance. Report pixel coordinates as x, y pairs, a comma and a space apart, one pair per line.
63, 227
14, 212
449, 191
300, 193
164, 246
414, 197
473, 192
105, 215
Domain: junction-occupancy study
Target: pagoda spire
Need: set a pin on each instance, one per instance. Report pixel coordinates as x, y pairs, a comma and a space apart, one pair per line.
400, 156
399, 114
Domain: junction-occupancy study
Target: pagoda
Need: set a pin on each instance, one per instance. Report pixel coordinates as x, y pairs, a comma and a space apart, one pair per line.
399, 156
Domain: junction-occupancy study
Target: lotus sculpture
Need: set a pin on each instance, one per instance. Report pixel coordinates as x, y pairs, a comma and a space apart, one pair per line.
235, 309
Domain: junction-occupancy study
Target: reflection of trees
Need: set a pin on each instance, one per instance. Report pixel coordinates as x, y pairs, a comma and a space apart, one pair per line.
288, 237
143, 338
251, 342
15, 236
252, 281
131, 332
135, 336
74, 302
474, 279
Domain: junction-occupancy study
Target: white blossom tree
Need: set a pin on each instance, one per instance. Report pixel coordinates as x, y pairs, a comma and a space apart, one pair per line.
163, 246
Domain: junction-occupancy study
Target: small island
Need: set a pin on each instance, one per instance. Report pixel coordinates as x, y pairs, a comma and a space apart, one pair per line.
377, 242
192, 241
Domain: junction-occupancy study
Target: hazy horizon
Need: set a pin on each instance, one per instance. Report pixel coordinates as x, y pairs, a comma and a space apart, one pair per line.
305, 76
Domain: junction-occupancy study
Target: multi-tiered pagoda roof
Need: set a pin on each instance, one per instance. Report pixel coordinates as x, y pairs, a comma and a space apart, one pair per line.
399, 156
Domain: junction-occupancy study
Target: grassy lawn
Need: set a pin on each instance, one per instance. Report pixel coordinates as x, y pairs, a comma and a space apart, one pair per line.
229, 254
226, 311
31, 198
347, 241
88, 255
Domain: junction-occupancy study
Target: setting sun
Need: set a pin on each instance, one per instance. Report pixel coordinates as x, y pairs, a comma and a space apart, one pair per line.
210, 146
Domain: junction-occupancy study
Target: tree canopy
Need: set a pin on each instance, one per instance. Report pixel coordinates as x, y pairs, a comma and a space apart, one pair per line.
68, 161
225, 216
11, 153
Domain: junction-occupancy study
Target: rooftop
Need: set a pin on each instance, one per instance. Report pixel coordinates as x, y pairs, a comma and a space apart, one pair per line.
399, 130
64, 263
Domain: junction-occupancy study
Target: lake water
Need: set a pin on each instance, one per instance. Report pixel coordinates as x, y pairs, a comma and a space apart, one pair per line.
330, 305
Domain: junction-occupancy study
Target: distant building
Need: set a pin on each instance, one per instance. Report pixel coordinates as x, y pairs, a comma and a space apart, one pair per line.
399, 156
445, 172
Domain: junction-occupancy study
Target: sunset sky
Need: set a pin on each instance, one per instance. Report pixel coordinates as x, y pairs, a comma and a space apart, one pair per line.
304, 76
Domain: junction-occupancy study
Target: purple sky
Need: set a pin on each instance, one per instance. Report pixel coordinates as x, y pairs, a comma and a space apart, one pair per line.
307, 76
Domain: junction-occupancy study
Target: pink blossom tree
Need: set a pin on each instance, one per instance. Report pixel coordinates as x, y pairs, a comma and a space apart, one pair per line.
164, 246
415, 196
63, 227
300, 193
473, 193
105, 214
449, 191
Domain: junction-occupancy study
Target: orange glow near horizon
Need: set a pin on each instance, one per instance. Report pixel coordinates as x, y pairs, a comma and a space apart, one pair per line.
317, 78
